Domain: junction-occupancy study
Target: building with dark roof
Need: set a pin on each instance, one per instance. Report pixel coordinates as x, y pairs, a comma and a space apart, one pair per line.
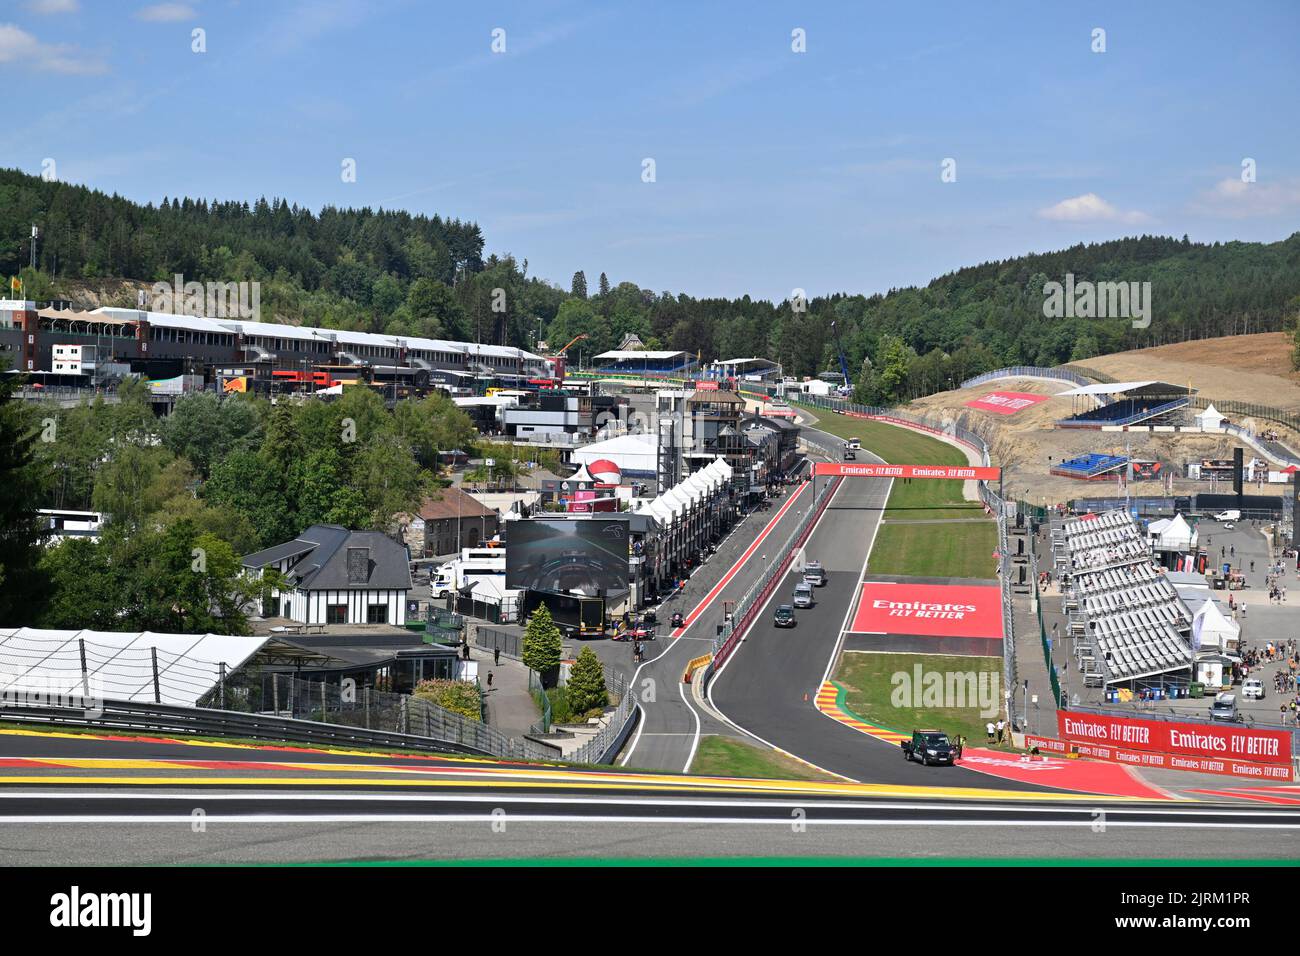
337, 576
450, 521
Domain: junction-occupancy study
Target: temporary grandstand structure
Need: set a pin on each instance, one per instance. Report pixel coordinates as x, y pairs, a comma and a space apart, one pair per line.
176, 669
1131, 621
1124, 403
1092, 467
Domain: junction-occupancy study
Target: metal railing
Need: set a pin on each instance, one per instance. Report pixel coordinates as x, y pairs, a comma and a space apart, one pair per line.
366, 708
489, 638
201, 721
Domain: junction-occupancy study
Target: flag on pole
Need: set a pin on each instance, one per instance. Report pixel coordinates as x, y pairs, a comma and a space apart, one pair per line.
16, 284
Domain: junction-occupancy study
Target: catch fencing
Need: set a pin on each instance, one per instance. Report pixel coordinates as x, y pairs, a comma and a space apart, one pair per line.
369, 709
1027, 371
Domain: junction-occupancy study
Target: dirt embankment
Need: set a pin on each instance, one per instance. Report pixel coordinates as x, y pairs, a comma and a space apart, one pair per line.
1026, 444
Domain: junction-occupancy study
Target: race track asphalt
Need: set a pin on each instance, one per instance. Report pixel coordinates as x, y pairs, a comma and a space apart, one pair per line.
769, 686
670, 724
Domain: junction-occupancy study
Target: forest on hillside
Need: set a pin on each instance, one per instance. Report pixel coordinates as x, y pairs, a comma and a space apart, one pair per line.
391, 271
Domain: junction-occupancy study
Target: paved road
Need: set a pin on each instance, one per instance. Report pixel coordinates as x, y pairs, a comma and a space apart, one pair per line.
769, 685
670, 726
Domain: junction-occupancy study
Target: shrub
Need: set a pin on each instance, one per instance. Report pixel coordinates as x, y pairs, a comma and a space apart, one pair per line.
542, 643
458, 696
586, 685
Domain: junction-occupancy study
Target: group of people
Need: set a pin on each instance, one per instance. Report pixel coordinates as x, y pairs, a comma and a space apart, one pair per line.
996, 731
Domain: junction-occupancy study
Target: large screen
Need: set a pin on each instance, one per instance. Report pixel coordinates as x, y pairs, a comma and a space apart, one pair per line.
586, 555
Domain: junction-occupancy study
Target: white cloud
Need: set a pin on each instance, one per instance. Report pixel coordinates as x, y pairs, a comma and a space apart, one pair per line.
19, 47
165, 12
46, 7
1090, 208
1233, 199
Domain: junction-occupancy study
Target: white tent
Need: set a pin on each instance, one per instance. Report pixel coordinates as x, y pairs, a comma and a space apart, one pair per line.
1213, 631
1210, 418
633, 454
1176, 535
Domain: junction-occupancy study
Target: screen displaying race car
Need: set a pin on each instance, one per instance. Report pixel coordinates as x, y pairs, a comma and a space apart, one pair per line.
585, 555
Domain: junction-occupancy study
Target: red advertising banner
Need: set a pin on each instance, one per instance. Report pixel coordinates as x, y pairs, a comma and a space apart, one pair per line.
1224, 743
1161, 761
937, 610
966, 472
1006, 403
703, 386
1046, 744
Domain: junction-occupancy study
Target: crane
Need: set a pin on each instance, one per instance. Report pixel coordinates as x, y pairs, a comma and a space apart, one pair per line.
844, 364
577, 338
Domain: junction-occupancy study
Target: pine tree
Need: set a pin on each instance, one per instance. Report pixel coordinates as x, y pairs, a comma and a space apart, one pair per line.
604, 284
542, 644
578, 289
22, 582
586, 687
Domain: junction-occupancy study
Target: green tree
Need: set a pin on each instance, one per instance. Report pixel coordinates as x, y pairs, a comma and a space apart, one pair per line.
586, 687
578, 288
121, 484
542, 644
22, 581
204, 428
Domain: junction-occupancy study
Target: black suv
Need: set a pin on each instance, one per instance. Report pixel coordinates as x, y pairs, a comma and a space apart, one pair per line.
784, 616
929, 746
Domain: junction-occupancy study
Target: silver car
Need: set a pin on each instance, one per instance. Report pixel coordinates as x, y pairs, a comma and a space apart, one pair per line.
803, 594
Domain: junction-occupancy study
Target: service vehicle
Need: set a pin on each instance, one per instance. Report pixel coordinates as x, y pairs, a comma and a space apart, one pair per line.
814, 573
855, 443
472, 565
929, 746
803, 594
1225, 708
1252, 688
1230, 515
784, 616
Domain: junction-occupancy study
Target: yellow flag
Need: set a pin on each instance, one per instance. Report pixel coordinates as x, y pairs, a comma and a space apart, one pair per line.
16, 284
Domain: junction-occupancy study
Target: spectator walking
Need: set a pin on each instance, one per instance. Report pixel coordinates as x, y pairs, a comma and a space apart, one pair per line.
1001, 729
489, 683
988, 728
496, 657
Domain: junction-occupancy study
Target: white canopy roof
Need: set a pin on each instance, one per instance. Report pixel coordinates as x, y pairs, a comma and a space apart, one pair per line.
1119, 388
1211, 628
119, 664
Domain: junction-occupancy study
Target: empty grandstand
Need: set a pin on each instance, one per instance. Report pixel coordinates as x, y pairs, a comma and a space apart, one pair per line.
1130, 626
644, 362
1092, 467
1125, 403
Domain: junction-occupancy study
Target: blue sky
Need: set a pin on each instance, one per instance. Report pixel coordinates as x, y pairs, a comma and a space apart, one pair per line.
774, 170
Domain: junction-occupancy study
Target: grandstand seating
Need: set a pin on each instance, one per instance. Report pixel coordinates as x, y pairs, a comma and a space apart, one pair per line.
1091, 467
1117, 601
1127, 411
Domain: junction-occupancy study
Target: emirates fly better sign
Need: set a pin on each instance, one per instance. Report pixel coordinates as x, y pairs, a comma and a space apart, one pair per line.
837, 469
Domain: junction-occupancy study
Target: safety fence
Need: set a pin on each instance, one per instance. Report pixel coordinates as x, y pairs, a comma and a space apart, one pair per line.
1027, 371
511, 644
538, 691
366, 708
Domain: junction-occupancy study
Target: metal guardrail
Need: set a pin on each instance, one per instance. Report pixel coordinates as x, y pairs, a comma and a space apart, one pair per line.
200, 721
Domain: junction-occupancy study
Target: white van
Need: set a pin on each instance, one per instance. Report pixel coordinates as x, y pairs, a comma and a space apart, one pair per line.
1232, 515
1252, 688
803, 594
